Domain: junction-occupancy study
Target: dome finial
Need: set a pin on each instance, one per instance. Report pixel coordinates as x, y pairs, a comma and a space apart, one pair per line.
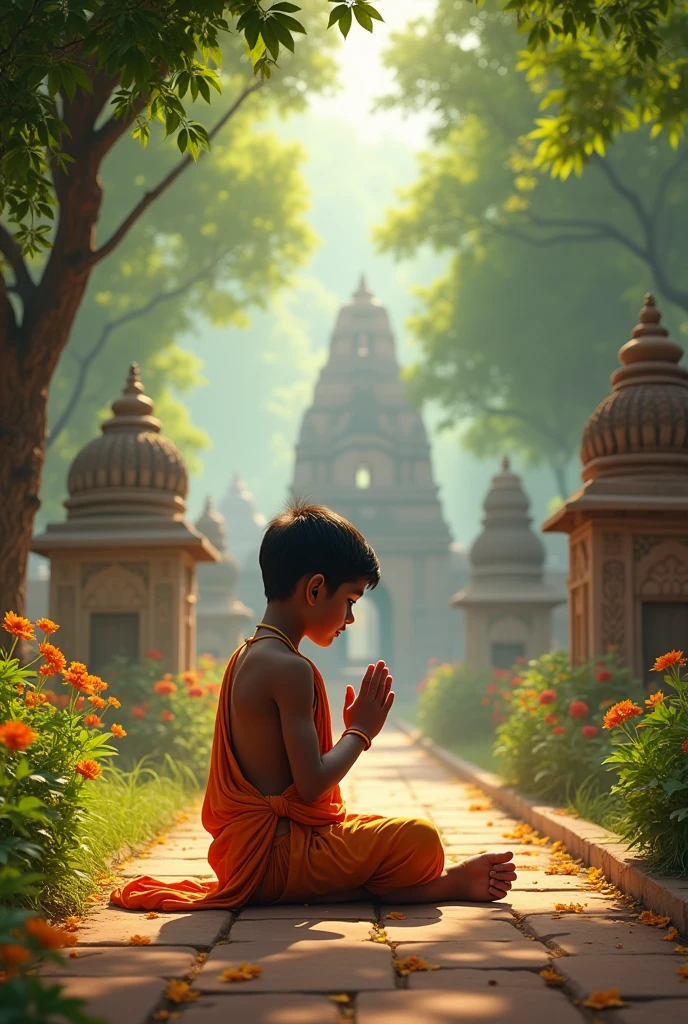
132, 410
362, 294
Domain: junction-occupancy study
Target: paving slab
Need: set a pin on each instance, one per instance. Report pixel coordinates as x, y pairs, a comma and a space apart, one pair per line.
297, 929
496, 1004
115, 926
335, 965
657, 1011
164, 867
478, 952
304, 911
116, 1000
125, 962
656, 978
262, 1009
450, 929
581, 934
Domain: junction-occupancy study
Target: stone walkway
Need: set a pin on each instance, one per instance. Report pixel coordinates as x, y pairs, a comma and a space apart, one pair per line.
326, 964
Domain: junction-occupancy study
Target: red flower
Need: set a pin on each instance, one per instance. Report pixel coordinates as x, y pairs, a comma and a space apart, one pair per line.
520, 660
684, 746
551, 719
166, 716
164, 687
547, 697
198, 691
589, 731
492, 688
578, 709
558, 730
137, 712
485, 700
603, 676
153, 655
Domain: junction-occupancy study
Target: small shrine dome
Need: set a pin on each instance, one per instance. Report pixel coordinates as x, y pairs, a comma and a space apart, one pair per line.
642, 426
507, 545
225, 574
132, 467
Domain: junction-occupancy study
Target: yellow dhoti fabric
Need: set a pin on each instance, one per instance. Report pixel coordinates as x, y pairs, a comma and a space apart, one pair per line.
326, 851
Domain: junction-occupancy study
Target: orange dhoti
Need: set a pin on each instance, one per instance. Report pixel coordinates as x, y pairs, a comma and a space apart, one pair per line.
325, 852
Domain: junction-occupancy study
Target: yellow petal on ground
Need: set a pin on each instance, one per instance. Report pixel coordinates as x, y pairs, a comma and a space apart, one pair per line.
180, 992
682, 971
139, 940
681, 950
551, 976
604, 1000
570, 908
653, 920
340, 997
671, 935
152, 915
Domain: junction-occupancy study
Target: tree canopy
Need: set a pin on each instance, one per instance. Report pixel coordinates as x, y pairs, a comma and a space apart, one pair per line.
157, 57
544, 277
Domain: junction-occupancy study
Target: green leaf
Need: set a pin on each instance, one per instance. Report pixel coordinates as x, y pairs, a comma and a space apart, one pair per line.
363, 18
283, 34
345, 22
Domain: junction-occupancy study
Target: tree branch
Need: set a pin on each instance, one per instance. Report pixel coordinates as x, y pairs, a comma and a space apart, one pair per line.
665, 181
591, 236
608, 230
24, 284
627, 193
87, 361
154, 194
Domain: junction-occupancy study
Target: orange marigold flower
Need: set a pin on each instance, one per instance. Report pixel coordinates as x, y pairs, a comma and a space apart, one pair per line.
195, 691
16, 735
547, 697
12, 954
139, 940
47, 626
114, 703
97, 702
620, 713
45, 670
153, 655
33, 700
163, 687
551, 719
92, 721
668, 660
578, 709
166, 716
77, 675
96, 683
684, 746
589, 731
18, 626
48, 936
117, 731
485, 700
54, 658
89, 769
137, 712
79, 703
604, 1000
558, 730
190, 677
603, 676
654, 699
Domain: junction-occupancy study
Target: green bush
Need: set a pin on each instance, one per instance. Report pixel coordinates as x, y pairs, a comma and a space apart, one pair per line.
167, 715
553, 741
651, 757
454, 704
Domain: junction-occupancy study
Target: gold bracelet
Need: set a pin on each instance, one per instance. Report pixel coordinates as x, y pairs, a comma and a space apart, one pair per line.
357, 732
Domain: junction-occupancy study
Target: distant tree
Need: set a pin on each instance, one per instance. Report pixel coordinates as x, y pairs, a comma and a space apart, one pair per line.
521, 333
606, 68
74, 78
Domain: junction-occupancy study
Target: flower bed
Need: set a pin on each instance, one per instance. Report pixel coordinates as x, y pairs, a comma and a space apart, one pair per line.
554, 741
455, 703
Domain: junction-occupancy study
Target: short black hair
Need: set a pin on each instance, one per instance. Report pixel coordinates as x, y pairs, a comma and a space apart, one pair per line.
309, 539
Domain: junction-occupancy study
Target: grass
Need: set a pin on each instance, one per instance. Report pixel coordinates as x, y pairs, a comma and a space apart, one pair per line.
122, 811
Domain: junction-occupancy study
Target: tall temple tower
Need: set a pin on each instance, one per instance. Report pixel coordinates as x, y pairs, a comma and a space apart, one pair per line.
363, 451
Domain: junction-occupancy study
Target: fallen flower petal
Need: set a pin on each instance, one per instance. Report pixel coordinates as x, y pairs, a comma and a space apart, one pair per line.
340, 997
180, 992
139, 940
394, 915
671, 935
152, 915
604, 1000
551, 976
653, 920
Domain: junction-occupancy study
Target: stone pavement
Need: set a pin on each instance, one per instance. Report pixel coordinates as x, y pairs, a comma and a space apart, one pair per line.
346, 962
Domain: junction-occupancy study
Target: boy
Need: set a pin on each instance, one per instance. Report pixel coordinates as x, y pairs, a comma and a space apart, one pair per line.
280, 830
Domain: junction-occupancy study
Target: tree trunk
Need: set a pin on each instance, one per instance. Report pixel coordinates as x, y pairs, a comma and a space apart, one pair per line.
23, 408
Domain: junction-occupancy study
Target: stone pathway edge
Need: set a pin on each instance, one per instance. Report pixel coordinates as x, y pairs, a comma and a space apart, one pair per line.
591, 843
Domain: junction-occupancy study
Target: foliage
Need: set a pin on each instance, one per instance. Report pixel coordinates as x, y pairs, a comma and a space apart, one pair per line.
454, 704
121, 812
520, 333
152, 56
25, 943
166, 715
553, 740
50, 749
651, 757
